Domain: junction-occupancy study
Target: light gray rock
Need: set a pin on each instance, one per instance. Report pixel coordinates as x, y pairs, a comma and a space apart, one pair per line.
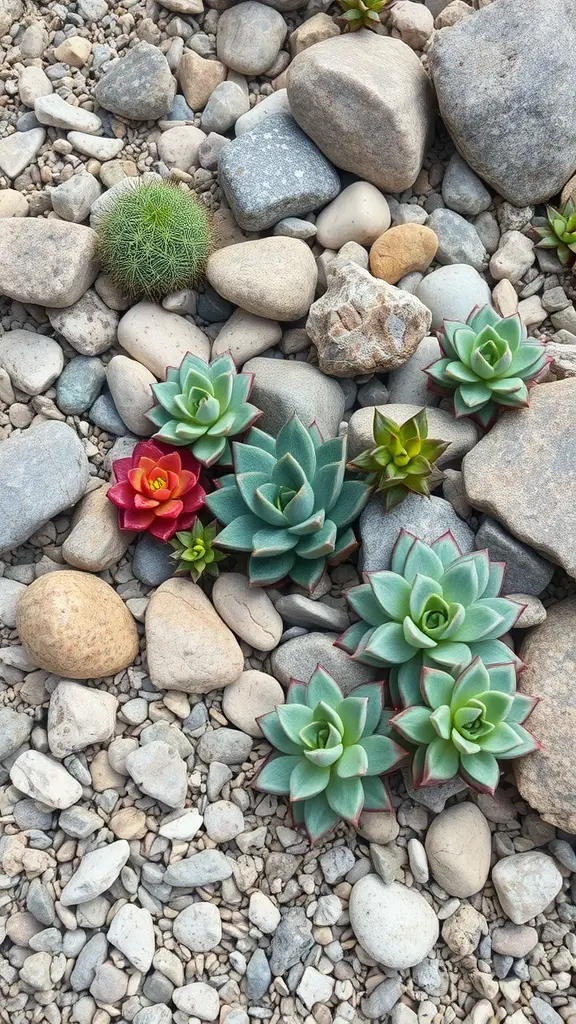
198, 927
458, 240
88, 324
516, 940
462, 434
514, 256
382, 999
458, 847
46, 262
365, 100
526, 883
197, 999
274, 171
110, 984
284, 268
462, 190
130, 385
226, 104
15, 728
45, 780
264, 914
526, 572
297, 610
450, 293
407, 385
179, 147
46, 471
276, 103
108, 199
223, 821
32, 361
79, 716
56, 112
394, 924
132, 932
91, 956
425, 519
258, 977
291, 942
248, 611
10, 11
138, 86
98, 870
225, 745
19, 150
251, 695
249, 37
202, 868
284, 387
10, 592
245, 336
144, 323
482, 70
72, 199
95, 146
159, 771
95, 541
299, 657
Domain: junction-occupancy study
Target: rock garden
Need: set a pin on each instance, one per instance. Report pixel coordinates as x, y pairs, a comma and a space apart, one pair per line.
287, 511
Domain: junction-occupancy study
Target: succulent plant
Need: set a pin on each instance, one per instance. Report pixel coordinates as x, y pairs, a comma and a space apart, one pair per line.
360, 14
435, 607
402, 458
466, 724
157, 490
154, 239
194, 553
203, 405
330, 752
487, 363
560, 233
287, 503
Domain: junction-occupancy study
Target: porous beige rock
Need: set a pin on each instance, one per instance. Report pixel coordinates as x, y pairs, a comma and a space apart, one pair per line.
46, 262
402, 250
75, 625
314, 30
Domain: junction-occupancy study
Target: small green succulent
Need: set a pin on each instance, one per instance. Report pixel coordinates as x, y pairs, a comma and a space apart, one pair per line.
203, 405
560, 233
194, 553
330, 752
486, 363
154, 239
360, 14
287, 503
402, 458
466, 724
435, 607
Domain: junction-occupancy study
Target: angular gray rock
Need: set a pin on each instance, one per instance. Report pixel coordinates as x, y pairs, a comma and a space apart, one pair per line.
89, 325
46, 262
139, 86
462, 190
363, 325
484, 68
282, 387
98, 870
45, 470
45, 780
159, 771
202, 868
79, 716
14, 731
297, 659
18, 150
275, 171
458, 240
526, 571
366, 101
425, 519
291, 941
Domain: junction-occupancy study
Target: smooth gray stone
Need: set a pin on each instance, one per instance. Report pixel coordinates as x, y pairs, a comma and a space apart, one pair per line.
526, 571
426, 519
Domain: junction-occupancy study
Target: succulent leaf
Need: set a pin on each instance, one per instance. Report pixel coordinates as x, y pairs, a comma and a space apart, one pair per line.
557, 234
360, 14
194, 553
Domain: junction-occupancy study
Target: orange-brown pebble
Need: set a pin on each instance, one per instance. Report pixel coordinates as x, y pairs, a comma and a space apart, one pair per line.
401, 250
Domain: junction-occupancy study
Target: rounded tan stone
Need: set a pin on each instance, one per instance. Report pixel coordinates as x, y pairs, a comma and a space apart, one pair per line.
251, 695
378, 826
75, 625
128, 823
402, 250
458, 846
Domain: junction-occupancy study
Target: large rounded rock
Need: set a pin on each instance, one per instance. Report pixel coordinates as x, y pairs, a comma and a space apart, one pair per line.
366, 101
297, 659
359, 214
76, 626
138, 86
425, 519
189, 647
249, 37
546, 778
394, 924
271, 277
458, 845
247, 610
282, 387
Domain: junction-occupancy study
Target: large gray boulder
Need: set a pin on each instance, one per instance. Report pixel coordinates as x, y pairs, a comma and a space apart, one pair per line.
282, 387
505, 85
366, 101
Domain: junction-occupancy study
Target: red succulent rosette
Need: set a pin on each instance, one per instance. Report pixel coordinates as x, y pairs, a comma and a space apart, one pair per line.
157, 489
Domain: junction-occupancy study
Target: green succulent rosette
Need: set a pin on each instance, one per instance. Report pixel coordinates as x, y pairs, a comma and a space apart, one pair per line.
330, 752
360, 14
435, 607
465, 725
194, 553
288, 505
402, 459
560, 233
487, 364
202, 406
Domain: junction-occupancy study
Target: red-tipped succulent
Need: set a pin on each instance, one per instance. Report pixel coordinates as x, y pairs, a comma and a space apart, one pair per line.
157, 490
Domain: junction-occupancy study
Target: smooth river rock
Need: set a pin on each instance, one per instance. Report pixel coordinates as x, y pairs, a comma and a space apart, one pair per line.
394, 924
271, 277
458, 846
159, 339
95, 541
282, 387
247, 610
46, 262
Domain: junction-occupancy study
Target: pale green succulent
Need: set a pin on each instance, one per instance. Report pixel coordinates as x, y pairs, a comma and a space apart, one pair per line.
194, 552
560, 233
330, 752
360, 14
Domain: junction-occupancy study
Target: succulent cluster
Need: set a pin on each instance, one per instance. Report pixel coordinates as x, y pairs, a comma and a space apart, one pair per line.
204, 405
465, 724
560, 233
330, 752
360, 14
487, 362
154, 239
402, 457
434, 608
194, 552
287, 504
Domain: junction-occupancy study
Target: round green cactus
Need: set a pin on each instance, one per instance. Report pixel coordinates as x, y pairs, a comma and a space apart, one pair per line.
466, 724
436, 607
330, 752
154, 239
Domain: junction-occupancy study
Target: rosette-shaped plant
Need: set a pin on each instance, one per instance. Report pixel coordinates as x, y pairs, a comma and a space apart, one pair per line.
434, 607
560, 233
330, 752
157, 490
466, 724
488, 362
288, 504
194, 553
360, 14
202, 406
402, 458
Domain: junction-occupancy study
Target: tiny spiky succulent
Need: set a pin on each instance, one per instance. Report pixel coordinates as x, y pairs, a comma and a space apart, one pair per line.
560, 233
466, 724
154, 239
331, 752
402, 458
487, 363
202, 406
194, 553
287, 503
435, 607
360, 14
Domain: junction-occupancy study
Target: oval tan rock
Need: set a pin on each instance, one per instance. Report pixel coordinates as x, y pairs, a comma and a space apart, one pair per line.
251, 695
458, 846
271, 277
75, 625
189, 647
248, 611
402, 250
